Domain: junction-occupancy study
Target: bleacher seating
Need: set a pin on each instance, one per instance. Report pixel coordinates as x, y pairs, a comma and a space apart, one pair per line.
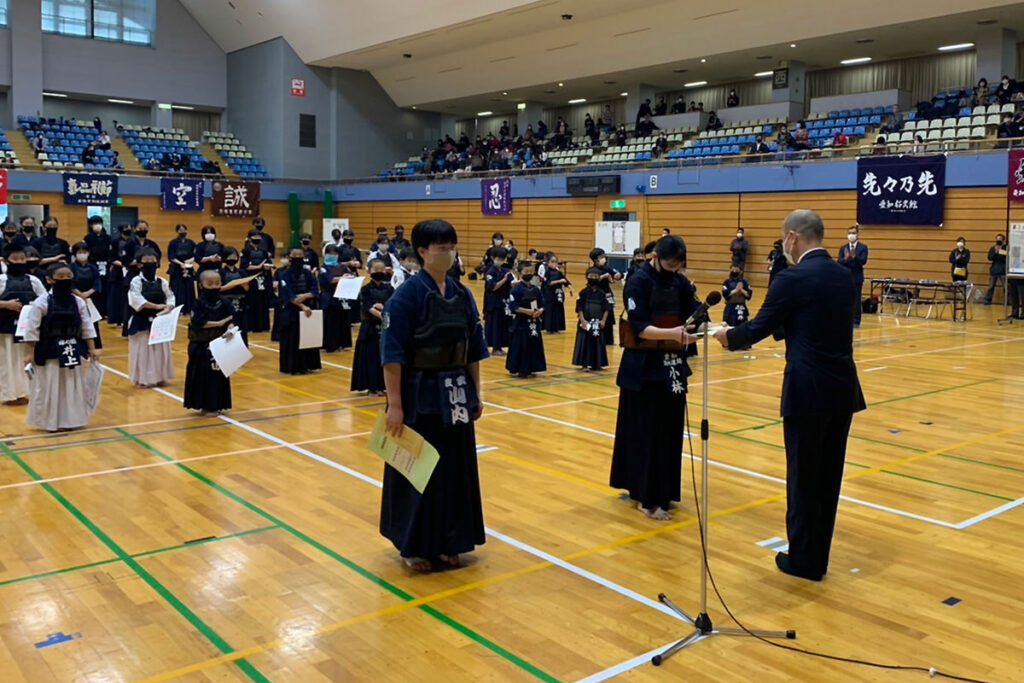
236, 155
148, 142
66, 139
8, 159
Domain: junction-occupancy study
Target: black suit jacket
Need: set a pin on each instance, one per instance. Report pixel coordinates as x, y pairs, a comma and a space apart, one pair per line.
813, 301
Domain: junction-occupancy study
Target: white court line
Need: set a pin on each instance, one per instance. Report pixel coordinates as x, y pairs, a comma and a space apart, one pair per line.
322, 362
630, 664
536, 552
881, 367
991, 513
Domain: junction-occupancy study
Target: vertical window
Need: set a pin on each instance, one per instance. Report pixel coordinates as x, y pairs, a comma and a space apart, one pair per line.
3, 12
67, 17
123, 21
307, 130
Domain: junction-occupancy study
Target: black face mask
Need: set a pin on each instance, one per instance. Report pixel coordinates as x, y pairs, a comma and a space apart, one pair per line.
305, 243
182, 235
29, 231
10, 235
259, 227
16, 269
62, 289
232, 262
527, 277
51, 233
999, 241
593, 281
379, 277
211, 294
664, 277
296, 264
149, 270
32, 263
142, 233
348, 240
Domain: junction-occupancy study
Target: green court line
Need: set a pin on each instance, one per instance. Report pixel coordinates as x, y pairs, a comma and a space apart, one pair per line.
980, 462
948, 486
222, 645
932, 392
365, 573
28, 450
90, 565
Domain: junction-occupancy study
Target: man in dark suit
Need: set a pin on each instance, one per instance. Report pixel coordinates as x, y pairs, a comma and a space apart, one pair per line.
813, 302
854, 256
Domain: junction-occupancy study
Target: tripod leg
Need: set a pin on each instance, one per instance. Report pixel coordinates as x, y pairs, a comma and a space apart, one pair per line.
675, 608
657, 659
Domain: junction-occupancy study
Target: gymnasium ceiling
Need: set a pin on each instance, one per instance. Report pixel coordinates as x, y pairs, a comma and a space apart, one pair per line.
465, 54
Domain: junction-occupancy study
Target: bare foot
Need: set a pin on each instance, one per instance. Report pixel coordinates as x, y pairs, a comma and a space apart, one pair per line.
161, 384
17, 402
417, 564
141, 386
497, 352
656, 513
453, 561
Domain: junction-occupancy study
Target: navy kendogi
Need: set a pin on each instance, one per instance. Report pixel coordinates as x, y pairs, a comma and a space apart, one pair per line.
526, 348
101, 253
237, 296
554, 300
181, 279
337, 312
592, 308
206, 387
256, 260
497, 288
736, 311
86, 276
291, 282
367, 370
435, 339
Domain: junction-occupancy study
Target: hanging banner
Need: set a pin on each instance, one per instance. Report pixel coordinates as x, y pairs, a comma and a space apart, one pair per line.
3, 185
91, 189
1015, 176
181, 194
231, 198
495, 197
901, 190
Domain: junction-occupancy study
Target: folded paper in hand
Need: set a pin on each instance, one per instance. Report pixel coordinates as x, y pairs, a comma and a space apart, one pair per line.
410, 454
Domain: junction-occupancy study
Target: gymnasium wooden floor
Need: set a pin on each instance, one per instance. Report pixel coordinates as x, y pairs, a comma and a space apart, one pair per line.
163, 546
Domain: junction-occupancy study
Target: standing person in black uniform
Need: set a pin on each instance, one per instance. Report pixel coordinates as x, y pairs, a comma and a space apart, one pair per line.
608, 275
209, 253
737, 292
309, 255
813, 301
776, 261
298, 292
497, 285
997, 271
526, 347
348, 255
11, 237
266, 241
367, 373
398, 242
17, 290
100, 255
652, 381
85, 282
592, 311
458, 270
206, 388
51, 248
432, 345
138, 243
554, 296
854, 256
181, 252
337, 312
234, 286
117, 292
959, 259
259, 262
739, 248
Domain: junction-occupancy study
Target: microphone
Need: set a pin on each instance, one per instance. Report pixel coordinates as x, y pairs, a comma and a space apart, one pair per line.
713, 299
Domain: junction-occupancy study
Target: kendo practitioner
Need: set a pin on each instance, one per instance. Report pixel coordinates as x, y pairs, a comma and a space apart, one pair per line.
458, 270
337, 312
117, 293
17, 290
11, 237
298, 292
86, 282
206, 388
101, 253
58, 336
813, 301
136, 245
348, 254
599, 260
51, 248
739, 248
256, 260
592, 313
209, 252
553, 286
497, 286
854, 256
309, 255
652, 380
367, 373
776, 261
181, 254
526, 347
736, 292
266, 241
398, 242
32, 267
149, 295
233, 286
432, 345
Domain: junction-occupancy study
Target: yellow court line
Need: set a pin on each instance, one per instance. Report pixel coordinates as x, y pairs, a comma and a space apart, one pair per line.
549, 471
928, 454
450, 592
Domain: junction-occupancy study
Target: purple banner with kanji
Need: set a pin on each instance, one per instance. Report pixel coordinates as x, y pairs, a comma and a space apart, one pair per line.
496, 196
1015, 177
901, 190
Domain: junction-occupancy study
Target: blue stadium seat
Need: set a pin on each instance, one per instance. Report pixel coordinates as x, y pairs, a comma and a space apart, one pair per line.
876, 120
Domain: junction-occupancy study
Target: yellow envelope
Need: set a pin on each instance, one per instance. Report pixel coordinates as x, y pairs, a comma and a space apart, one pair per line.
410, 454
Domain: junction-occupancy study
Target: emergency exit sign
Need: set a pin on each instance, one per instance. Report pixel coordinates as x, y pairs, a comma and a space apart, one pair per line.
618, 203
21, 197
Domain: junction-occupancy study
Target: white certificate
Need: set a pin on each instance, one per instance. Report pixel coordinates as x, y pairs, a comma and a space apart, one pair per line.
94, 314
93, 381
311, 330
230, 352
348, 288
22, 324
165, 327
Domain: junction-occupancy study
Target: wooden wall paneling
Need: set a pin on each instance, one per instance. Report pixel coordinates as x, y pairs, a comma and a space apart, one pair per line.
360, 219
480, 228
565, 226
706, 222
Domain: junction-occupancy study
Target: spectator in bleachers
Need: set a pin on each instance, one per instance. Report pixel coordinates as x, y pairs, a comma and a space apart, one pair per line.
608, 115
589, 127
97, 123
714, 123
542, 130
679, 106
645, 110
1005, 129
733, 100
693, 106
784, 139
103, 141
1004, 92
840, 139
880, 147
89, 154
891, 124
115, 162
528, 134
918, 147
660, 145
760, 146
503, 132
801, 137
645, 127
661, 108
620, 135
981, 93
562, 134
40, 143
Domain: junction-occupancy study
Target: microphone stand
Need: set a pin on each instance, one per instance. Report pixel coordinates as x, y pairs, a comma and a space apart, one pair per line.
703, 628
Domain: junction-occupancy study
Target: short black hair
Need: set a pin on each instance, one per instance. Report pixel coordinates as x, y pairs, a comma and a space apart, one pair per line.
671, 248
432, 231
306, 236
259, 219
207, 229
524, 264
55, 268
31, 252
124, 227
499, 252
230, 251
95, 219
649, 248
146, 252
594, 271
406, 252
497, 235
140, 221
331, 249
13, 248
596, 253
375, 261
80, 246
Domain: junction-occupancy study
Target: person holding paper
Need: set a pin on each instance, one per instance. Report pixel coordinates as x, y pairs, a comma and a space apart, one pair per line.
348, 254
181, 253
526, 349
432, 344
592, 311
87, 285
148, 296
337, 312
18, 289
258, 261
206, 388
367, 374
209, 253
298, 292
234, 286
58, 335
133, 250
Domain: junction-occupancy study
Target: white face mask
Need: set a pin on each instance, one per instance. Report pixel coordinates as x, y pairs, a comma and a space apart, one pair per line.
82, 258
959, 245
789, 257
441, 261
852, 237
739, 235
209, 237
98, 227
